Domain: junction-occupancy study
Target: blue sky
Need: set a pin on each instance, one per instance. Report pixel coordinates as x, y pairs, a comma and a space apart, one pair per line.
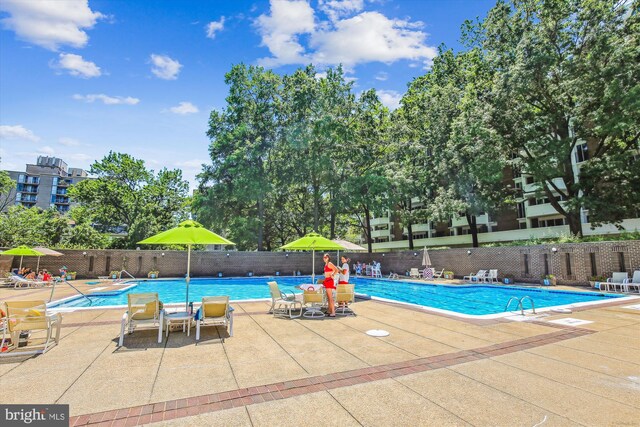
79, 78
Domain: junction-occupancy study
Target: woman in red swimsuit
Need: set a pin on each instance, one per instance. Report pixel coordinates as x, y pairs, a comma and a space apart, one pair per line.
330, 270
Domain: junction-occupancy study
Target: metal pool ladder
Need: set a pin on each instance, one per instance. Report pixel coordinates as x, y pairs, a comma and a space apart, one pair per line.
533, 306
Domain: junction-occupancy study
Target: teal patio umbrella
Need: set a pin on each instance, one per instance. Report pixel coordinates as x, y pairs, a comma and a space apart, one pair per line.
187, 233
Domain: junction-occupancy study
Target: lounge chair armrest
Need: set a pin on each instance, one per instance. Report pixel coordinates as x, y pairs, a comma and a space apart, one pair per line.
287, 297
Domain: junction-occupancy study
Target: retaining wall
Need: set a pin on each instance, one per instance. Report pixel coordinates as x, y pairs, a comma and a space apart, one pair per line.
571, 263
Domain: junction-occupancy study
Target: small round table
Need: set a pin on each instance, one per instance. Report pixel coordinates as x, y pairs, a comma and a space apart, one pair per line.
175, 318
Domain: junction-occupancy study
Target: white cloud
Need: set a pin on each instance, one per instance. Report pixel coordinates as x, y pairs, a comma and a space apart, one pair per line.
343, 39
184, 108
190, 164
79, 157
390, 98
77, 66
280, 31
68, 142
215, 26
17, 132
165, 67
106, 99
338, 8
46, 150
50, 23
382, 76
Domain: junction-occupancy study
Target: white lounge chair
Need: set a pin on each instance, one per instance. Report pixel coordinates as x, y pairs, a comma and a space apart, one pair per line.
283, 304
143, 309
634, 283
479, 276
376, 270
438, 274
492, 277
215, 311
414, 273
618, 280
20, 282
29, 317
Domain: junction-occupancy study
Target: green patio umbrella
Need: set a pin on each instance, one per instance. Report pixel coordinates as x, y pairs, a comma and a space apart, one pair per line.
312, 242
187, 233
23, 251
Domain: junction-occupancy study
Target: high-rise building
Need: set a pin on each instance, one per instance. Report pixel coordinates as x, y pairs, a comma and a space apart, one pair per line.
532, 217
45, 184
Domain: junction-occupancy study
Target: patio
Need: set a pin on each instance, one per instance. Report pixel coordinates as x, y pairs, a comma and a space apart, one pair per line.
430, 370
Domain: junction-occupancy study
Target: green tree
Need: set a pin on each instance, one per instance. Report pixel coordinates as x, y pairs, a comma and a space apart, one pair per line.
463, 164
126, 194
31, 227
6, 185
567, 73
237, 182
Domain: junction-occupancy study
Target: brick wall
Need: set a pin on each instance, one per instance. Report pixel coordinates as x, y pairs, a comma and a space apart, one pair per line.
571, 263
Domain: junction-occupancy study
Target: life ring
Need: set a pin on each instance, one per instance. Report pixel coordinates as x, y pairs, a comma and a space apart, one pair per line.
311, 288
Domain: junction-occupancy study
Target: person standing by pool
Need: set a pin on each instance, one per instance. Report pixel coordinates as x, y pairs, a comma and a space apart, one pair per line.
329, 271
344, 271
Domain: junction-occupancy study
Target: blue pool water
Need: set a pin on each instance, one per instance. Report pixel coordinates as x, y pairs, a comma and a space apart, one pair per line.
473, 300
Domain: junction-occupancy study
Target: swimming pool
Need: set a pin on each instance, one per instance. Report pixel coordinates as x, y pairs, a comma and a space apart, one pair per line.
468, 301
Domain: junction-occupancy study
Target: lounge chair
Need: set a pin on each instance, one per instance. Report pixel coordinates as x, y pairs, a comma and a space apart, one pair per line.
313, 300
479, 276
438, 275
345, 296
492, 277
28, 317
617, 280
215, 311
414, 273
19, 281
634, 283
283, 304
144, 309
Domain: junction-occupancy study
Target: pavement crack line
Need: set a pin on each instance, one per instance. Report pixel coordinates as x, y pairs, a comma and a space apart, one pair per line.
155, 378
346, 410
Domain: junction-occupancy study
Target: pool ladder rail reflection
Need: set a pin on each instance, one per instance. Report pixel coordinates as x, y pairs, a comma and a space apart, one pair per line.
520, 300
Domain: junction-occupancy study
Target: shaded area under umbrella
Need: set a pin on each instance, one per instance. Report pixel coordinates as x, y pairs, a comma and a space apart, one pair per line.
312, 242
187, 233
46, 252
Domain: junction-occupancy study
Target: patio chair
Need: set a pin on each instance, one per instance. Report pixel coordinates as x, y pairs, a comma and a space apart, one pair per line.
27, 317
618, 280
144, 309
634, 282
215, 311
313, 300
438, 274
414, 273
345, 296
479, 276
492, 277
283, 304
376, 270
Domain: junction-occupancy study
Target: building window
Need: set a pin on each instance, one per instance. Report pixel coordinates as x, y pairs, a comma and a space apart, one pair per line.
529, 180
522, 212
582, 153
523, 225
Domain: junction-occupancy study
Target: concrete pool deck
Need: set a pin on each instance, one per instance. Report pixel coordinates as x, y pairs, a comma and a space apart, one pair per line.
430, 370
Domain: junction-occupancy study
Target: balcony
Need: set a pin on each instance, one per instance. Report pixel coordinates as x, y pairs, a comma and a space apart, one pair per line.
417, 228
461, 221
379, 221
541, 210
531, 188
379, 233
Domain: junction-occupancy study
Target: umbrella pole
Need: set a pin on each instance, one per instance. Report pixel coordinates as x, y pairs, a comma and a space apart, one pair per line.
186, 308
38, 266
20, 268
313, 266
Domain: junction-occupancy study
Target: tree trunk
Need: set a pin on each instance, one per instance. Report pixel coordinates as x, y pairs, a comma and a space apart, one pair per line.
410, 235
332, 232
260, 224
368, 228
575, 224
316, 207
473, 228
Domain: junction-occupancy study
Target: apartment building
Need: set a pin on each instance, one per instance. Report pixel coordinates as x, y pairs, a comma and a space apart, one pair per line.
532, 217
45, 184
